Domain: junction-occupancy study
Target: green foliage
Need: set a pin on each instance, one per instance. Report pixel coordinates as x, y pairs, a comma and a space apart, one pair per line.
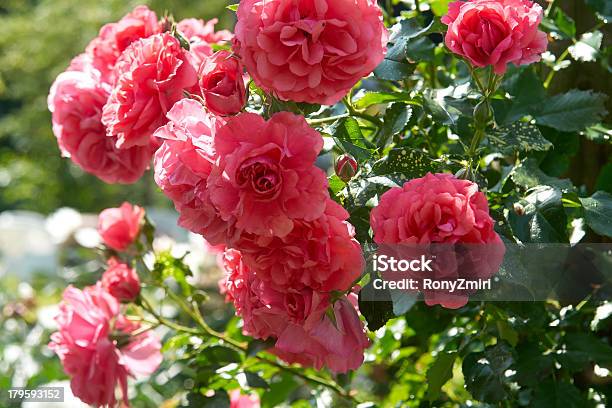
598, 212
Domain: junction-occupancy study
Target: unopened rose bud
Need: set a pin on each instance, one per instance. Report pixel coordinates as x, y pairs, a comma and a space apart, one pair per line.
519, 209
121, 281
166, 24
346, 167
482, 114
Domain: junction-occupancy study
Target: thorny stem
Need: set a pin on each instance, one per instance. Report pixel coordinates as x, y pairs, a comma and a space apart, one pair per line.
205, 329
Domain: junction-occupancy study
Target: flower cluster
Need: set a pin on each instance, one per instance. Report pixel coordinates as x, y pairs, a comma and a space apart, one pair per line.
252, 185
97, 344
109, 102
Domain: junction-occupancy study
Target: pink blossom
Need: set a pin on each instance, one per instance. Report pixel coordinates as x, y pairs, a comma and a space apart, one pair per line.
265, 177
119, 227
96, 348
337, 344
121, 281
222, 83
310, 51
297, 319
196, 30
114, 38
76, 100
448, 212
496, 32
152, 75
320, 254
267, 312
183, 164
238, 400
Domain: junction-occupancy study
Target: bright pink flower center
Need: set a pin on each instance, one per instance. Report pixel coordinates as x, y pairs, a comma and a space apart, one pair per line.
261, 175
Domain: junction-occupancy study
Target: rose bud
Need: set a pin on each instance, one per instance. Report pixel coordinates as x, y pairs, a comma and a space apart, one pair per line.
121, 281
222, 83
119, 227
346, 167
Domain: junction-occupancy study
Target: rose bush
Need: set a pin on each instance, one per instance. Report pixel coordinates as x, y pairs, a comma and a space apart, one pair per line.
431, 147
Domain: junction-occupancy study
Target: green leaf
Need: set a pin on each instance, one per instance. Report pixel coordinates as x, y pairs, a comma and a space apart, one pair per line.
395, 66
529, 175
506, 332
599, 133
439, 7
519, 136
396, 118
587, 48
373, 98
598, 212
218, 356
441, 113
544, 219
335, 184
168, 267
420, 49
526, 91
532, 364
176, 342
255, 346
233, 7
588, 348
572, 111
376, 312
219, 400
407, 163
561, 24
279, 390
439, 373
602, 7
484, 373
255, 381
557, 394
347, 133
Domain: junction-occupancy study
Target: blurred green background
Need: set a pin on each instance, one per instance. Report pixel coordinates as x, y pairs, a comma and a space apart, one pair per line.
38, 38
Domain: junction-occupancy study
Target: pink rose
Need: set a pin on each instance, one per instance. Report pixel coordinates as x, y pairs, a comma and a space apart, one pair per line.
337, 345
265, 177
238, 400
434, 208
222, 83
151, 76
183, 164
448, 212
114, 38
267, 312
76, 100
121, 281
320, 254
495, 32
119, 227
96, 348
197, 30
310, 51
